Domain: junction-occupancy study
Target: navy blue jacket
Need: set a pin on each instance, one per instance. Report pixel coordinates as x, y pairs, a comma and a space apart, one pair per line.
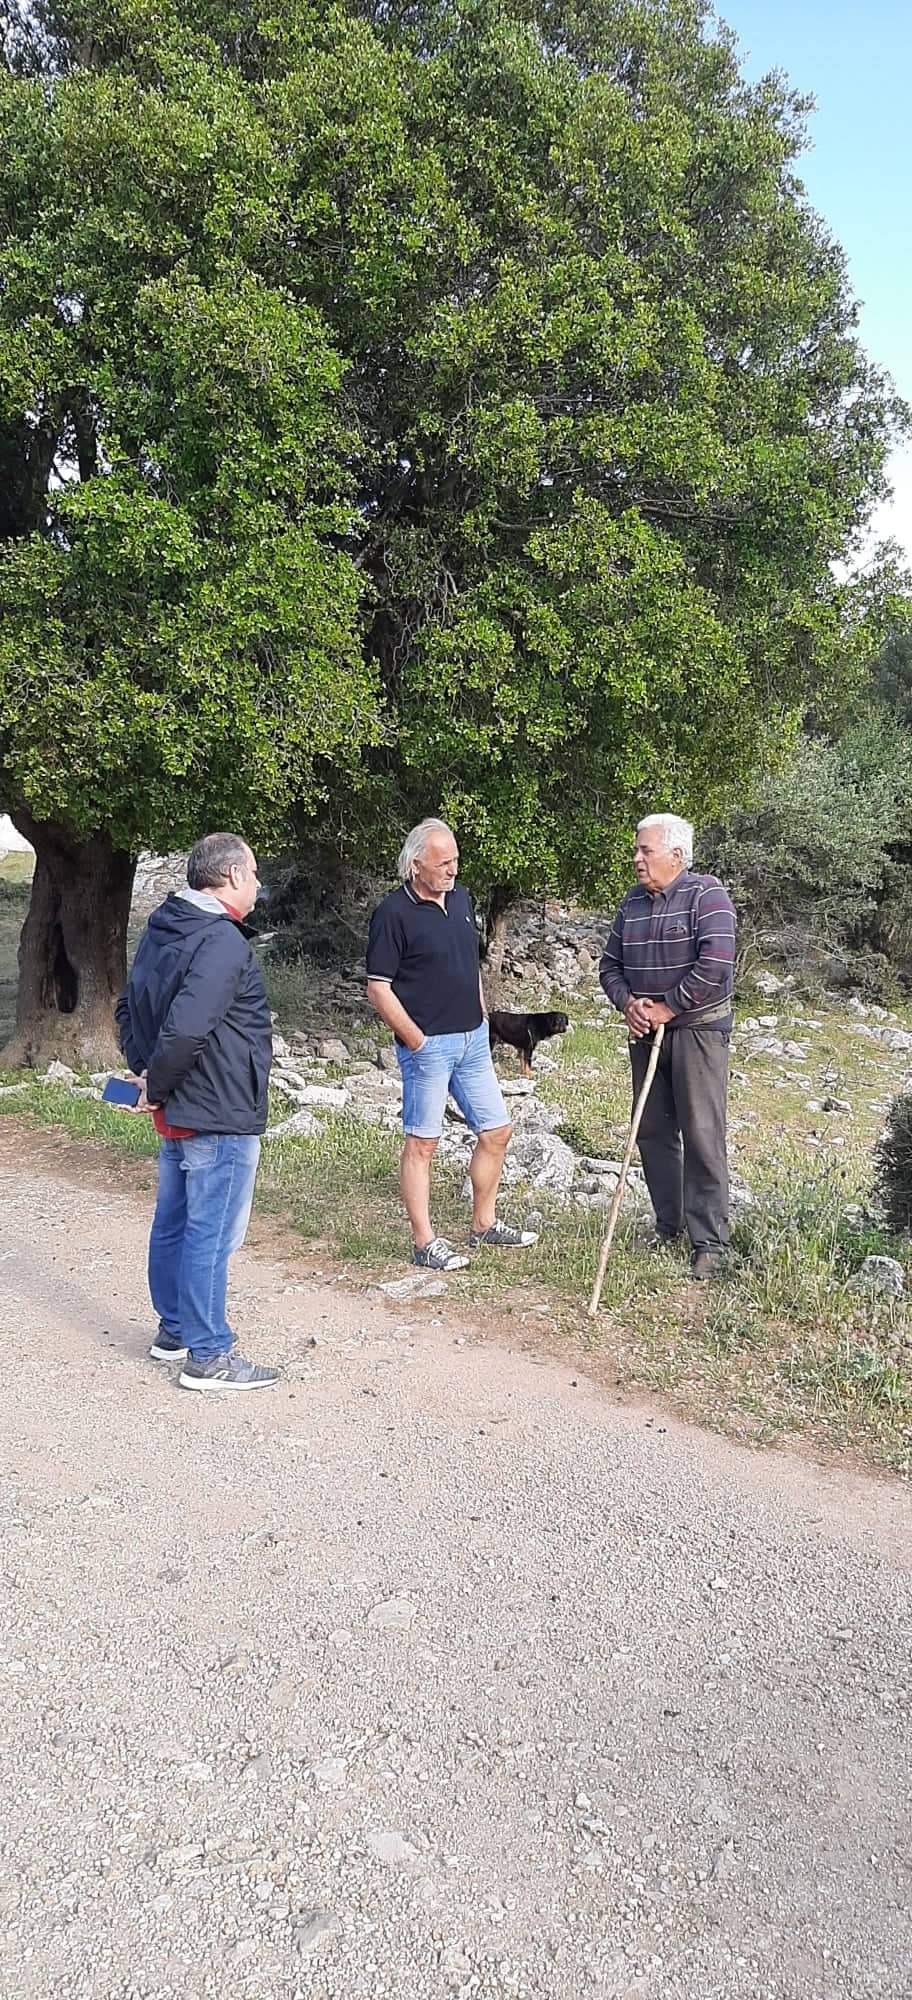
195, 1017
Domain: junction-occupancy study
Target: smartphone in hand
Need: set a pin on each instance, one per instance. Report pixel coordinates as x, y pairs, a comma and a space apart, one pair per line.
117, 1091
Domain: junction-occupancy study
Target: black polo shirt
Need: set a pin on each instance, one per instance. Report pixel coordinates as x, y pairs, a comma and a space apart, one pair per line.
430, 957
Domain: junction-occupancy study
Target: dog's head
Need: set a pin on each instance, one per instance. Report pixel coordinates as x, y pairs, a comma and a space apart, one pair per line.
553, 1024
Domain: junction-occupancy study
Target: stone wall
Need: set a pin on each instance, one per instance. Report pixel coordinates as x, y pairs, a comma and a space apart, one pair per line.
156, 876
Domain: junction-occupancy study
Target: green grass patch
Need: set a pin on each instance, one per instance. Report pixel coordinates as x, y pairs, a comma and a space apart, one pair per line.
80, 1117
16, 871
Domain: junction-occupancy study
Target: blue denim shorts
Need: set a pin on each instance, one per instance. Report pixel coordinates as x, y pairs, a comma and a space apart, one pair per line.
457, 1066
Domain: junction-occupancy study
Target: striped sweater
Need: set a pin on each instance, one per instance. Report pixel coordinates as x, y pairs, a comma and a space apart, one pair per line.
677, 946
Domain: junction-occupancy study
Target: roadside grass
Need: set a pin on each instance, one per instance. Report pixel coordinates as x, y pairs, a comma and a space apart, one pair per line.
781, 1345
16, 871
51, 1104
786, 1339
592, 1087
15, 881
13, 915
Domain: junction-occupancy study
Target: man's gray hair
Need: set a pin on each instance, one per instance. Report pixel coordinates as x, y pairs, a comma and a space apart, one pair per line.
210, 862
678, 833
415, 843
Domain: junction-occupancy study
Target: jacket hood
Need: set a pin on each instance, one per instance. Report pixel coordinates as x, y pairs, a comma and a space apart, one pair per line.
178, 919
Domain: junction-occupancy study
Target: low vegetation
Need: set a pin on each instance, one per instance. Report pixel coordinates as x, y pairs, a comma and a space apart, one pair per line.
817, 858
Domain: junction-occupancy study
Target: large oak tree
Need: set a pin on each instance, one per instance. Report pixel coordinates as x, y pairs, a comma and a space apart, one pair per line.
615, 422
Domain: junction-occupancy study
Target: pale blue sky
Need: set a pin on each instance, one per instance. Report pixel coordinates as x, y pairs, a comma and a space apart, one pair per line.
856, 60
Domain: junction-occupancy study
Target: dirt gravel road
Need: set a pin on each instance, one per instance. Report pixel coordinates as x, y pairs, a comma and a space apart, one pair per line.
435, 1672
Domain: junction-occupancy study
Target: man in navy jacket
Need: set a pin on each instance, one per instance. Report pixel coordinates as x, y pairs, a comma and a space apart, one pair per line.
194, 1022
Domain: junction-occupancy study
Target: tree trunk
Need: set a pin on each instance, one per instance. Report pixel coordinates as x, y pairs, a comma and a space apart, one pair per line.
495, 912
73, 949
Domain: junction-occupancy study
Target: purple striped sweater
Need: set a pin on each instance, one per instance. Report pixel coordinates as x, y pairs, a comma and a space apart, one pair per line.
677, 946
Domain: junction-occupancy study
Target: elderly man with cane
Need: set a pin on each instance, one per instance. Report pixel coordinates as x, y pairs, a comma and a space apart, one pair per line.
669, 962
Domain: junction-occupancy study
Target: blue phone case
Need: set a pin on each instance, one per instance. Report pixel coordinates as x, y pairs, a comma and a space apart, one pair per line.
118, 1092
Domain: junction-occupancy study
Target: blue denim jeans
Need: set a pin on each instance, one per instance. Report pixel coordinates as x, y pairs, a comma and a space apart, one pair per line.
205, 1193
457, 1066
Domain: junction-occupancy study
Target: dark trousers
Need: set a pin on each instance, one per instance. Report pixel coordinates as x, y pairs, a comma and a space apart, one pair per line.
682, 1134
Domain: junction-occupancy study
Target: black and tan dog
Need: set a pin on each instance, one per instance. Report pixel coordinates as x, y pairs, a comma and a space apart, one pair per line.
524, 1032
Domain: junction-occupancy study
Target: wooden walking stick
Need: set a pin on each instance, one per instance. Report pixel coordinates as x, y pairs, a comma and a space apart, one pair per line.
615, 1208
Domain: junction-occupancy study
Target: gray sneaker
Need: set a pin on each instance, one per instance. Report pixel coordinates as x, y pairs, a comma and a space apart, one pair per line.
168, 1347
226, 1371
439, 1255
500, 1236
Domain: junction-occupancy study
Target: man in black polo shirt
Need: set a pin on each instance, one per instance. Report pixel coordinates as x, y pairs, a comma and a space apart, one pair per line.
424, 981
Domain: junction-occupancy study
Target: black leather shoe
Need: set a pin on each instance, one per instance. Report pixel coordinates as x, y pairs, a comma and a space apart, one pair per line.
706, 1264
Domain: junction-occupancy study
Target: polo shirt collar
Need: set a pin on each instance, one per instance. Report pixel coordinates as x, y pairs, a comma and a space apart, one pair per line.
422, 900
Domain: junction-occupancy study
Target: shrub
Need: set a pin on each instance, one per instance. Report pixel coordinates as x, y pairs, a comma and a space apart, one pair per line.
15, 893
811, 849
893, 1165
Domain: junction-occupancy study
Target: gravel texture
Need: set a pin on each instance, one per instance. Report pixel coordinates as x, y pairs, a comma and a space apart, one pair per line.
435, 1672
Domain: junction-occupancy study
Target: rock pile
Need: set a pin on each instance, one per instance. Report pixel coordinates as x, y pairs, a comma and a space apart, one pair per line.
551, 949
318, 1075
157, 876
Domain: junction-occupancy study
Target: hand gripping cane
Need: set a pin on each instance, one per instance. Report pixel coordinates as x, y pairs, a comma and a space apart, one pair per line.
615, 1208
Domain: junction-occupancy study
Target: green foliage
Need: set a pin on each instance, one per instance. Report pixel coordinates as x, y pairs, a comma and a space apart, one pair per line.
179, 621
891, 678
794, 1244
810, 847
893, 1162
483, 358
616, 424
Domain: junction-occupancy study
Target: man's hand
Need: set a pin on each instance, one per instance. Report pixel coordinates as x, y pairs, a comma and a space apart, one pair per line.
142, 1102
636, 1015
391, 1011
659, 1013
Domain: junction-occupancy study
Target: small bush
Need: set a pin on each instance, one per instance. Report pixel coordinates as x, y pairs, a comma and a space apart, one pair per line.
811, 850
579, 1137
893, 1165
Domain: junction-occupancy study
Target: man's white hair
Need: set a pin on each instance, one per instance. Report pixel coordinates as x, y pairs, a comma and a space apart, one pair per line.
677, 833
415, 843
